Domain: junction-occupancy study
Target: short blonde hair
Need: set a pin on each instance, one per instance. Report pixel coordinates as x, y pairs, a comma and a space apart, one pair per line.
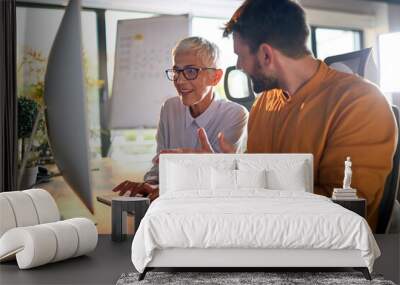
206, 50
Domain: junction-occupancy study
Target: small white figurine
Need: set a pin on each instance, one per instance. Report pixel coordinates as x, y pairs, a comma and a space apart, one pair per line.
347, 173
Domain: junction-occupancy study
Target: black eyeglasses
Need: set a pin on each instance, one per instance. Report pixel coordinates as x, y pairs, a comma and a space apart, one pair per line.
190, 73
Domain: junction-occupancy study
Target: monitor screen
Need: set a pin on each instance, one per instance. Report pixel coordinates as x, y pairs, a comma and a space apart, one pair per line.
66, 110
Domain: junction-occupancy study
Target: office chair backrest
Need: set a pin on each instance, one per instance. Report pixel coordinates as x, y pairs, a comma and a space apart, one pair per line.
391, 186
238, 87
359, 62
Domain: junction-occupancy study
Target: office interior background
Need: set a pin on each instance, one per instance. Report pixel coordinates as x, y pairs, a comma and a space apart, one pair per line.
336, 27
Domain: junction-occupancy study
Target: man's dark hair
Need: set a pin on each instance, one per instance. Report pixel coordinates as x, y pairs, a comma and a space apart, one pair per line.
279, 23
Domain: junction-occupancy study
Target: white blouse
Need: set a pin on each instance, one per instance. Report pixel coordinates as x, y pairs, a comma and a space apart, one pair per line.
177, 128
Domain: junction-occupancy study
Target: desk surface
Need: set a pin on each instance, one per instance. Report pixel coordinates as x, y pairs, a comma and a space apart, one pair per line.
102, 266
108, 174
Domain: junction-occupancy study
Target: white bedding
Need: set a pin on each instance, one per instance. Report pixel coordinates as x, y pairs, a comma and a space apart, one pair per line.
251, 218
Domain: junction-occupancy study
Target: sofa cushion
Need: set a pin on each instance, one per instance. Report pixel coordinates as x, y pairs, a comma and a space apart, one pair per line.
40, 244
27, 208
45, 206
23, 208
7, 215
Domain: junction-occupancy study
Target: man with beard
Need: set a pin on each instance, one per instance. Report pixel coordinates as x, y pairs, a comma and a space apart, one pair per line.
307, 107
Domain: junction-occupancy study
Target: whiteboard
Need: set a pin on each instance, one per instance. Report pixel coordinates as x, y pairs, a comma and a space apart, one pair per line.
142, 54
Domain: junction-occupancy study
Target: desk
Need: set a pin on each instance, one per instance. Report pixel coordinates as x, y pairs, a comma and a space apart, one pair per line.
120, 207
106, 174
102, 266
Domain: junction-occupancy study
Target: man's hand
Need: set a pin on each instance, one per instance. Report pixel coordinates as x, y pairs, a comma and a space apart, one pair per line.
153, 195
144, 189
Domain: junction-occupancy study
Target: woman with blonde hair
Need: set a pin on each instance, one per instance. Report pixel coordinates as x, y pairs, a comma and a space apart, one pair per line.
194, 73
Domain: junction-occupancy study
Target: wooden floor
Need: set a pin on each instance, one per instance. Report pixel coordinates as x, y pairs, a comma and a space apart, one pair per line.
106, 174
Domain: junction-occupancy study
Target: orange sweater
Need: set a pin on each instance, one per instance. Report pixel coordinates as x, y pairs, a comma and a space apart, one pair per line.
332, 116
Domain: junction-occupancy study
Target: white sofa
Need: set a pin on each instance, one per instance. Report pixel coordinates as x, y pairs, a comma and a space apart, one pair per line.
31, 231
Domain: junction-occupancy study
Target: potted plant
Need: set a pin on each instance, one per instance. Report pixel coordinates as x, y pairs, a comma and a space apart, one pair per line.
34, 148
31, 123
28, 120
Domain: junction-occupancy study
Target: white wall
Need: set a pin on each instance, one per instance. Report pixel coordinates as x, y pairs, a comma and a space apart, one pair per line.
394, 17
203, 8
371, 25
373, 18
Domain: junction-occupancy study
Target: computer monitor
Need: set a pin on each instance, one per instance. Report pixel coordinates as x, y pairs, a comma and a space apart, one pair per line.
66, 110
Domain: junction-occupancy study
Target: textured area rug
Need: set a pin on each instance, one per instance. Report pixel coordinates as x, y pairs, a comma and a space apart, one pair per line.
229, 278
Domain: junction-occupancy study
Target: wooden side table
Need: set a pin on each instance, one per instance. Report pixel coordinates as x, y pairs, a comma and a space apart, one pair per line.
358, 205
120, 206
